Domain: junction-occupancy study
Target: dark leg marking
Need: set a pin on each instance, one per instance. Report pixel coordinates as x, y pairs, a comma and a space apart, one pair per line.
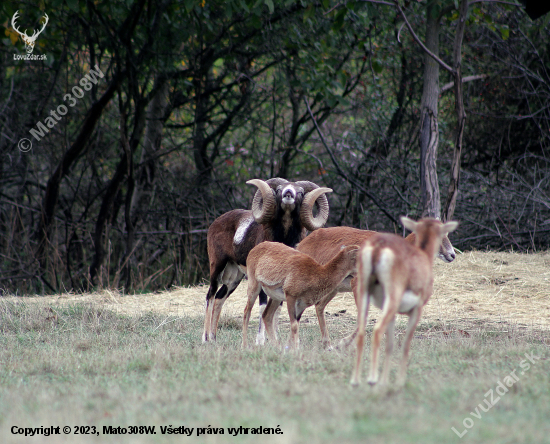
263, 298
221, 292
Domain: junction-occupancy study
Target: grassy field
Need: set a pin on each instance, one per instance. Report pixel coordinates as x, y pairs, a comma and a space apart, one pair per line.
83, 365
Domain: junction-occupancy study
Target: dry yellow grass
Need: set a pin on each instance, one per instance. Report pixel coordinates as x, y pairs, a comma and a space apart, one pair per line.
476, 287
85, 366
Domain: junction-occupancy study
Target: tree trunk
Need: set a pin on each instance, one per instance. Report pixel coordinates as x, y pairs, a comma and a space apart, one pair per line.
429, 133
295, 96
128, 203
460, 112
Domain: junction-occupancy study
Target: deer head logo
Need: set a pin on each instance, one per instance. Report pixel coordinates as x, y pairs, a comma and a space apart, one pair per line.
29, 41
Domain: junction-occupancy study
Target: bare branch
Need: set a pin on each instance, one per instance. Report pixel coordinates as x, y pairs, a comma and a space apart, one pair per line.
380, 2
449, 85
494, 1
399, 32
417, 39
342, 173
336, 6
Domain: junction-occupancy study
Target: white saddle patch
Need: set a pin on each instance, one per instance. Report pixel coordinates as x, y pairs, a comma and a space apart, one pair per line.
409, 301
242, 229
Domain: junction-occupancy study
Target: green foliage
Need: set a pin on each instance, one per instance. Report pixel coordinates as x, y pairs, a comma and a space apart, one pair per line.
377, 67
238, 74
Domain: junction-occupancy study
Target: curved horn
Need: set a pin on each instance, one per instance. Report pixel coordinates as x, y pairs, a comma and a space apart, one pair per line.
306, 185
306, 212
276, 181
263, 204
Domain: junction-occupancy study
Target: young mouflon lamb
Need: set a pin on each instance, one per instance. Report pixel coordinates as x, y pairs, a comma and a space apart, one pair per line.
399, 278
288, 275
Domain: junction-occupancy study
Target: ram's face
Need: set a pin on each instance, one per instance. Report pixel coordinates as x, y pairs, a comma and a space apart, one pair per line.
446, 251
289, 196
301, 196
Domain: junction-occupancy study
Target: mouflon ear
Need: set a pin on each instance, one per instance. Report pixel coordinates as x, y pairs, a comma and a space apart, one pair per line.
409, 224
450, 226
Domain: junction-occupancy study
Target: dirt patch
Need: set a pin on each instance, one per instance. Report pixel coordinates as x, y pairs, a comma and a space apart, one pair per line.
478, 287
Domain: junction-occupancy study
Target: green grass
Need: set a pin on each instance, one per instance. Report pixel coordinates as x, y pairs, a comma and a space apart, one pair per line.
81, 365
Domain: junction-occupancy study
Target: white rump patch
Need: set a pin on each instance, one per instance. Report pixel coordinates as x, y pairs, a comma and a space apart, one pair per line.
367, 252
409, 301
242, 229
382, 269
385, 264
366, 257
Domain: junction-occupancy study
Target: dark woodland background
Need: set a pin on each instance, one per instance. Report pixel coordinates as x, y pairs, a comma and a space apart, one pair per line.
200, 96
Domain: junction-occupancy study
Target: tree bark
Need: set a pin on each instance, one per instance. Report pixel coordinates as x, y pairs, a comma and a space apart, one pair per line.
452, 192
128, 203
295, 96
429, 133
